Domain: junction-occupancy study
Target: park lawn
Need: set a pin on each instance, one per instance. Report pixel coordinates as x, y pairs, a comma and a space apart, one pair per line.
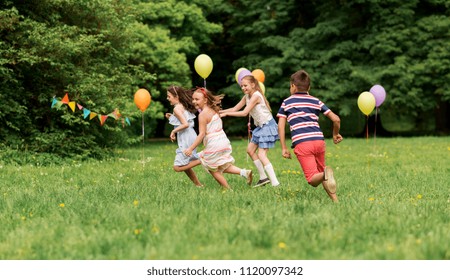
394, 203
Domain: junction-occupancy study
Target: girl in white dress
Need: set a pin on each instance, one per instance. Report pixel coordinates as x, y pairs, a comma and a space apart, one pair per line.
216, 156
264, 135
183, 121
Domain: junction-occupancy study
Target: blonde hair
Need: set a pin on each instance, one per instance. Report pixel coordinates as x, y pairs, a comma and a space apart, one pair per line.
254, 81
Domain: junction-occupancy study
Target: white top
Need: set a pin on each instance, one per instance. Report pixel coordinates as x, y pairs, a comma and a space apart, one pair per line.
260, 113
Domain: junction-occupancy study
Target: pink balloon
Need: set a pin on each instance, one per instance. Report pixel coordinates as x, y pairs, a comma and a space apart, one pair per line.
242, 74
379, 93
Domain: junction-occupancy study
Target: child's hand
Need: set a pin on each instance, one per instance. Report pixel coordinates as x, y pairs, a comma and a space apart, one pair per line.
188, 152
337, 138
286, 154
173, 136
168, 115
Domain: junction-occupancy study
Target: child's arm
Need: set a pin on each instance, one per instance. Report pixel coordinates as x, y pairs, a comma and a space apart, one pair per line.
336, 127
202, 121
281, 133
252, 103
236, 108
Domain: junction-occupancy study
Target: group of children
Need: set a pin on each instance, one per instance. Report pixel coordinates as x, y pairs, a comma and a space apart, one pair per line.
300, 110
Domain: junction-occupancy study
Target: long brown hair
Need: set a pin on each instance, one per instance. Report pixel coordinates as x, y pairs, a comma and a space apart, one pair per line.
184, 96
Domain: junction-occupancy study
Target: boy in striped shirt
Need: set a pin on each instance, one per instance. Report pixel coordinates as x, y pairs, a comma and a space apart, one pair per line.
301, 111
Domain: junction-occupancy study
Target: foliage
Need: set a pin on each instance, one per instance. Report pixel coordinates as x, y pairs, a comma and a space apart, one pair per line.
347, 47
393, 206
100, 52
77, 47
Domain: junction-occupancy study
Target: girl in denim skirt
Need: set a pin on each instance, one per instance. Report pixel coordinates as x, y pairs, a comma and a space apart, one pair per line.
264, 135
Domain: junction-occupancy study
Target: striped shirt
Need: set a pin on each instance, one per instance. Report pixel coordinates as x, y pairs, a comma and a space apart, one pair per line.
302, 113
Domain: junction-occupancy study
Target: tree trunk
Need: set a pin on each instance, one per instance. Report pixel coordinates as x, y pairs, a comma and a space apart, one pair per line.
442, 114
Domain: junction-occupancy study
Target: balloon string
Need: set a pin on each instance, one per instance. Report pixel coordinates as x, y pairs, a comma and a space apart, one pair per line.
367, 128
142, 150
375, 129
248, 131
204, 83
367, 139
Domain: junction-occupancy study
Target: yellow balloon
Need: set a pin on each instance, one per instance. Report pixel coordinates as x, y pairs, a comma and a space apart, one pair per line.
366, 102
237, 73
263, 87
203, 65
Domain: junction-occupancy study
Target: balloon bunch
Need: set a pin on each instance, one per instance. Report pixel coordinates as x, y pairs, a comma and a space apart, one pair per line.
368, 100
257, 73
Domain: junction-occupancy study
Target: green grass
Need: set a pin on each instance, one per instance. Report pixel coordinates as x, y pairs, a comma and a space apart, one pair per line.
394, 204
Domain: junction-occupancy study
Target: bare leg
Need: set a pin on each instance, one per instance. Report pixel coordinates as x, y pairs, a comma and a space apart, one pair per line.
318, 179
191, 174
187, 166
220, 179
236, 170
251, 151
233, 170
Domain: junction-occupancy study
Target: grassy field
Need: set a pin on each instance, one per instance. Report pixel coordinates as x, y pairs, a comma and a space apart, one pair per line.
394, 204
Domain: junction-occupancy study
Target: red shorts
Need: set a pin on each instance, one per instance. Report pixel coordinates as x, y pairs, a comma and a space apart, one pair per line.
311, 155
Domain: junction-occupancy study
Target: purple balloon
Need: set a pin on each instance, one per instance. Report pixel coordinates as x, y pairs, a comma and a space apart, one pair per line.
379, 93
242, 74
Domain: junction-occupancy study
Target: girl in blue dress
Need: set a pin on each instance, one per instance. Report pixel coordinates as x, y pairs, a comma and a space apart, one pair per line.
264, 135
183, 121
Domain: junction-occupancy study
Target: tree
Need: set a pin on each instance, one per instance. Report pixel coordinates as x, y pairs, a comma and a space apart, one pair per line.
100, 52
55, 47
348, 46
171, 34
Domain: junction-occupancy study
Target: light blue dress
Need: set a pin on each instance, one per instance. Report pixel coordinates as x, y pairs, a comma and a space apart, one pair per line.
185, 138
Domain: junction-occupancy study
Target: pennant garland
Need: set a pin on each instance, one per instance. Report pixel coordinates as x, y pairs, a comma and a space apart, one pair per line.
88, 113
92, 115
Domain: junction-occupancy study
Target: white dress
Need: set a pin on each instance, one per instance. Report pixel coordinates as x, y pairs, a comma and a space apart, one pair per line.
185, 138
216, 156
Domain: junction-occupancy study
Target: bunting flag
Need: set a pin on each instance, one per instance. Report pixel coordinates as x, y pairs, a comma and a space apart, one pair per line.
86, 112
72, 105
116, 115
102, 119
92, 115
65, 100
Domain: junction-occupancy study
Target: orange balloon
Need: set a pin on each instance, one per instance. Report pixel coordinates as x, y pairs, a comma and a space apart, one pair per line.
259, 75
142, 99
